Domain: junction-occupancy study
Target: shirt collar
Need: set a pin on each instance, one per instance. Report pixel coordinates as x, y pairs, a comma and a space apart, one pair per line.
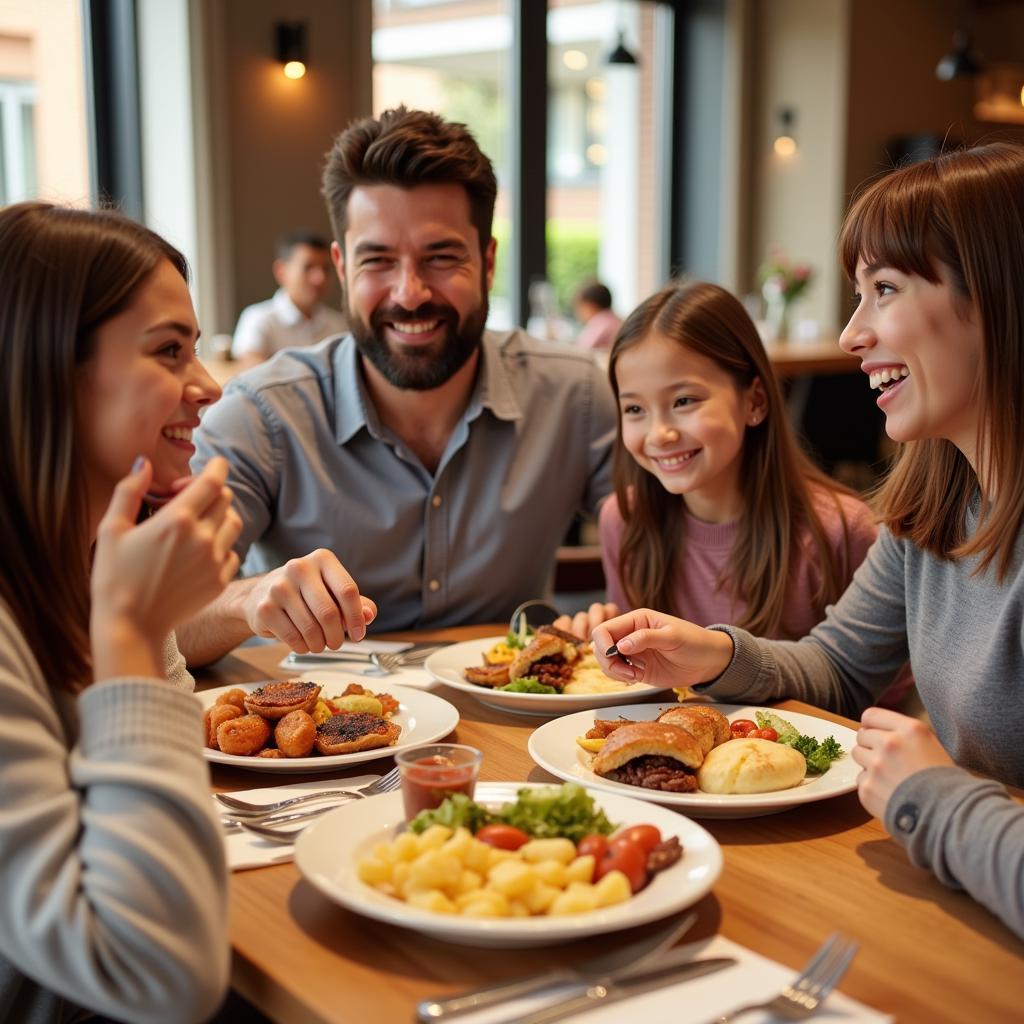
493, 389
287, 312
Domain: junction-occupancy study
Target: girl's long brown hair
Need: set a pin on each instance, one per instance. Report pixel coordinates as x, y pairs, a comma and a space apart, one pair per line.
965, 211
781, 485
64, 273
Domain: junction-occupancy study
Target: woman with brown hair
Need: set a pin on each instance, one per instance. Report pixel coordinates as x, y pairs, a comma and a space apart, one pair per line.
113, 889
936, 253
717, 513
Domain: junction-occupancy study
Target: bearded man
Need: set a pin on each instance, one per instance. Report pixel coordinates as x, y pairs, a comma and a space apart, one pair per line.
439, 462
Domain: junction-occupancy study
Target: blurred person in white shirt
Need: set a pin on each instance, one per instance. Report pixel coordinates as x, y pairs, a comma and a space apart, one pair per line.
295, 316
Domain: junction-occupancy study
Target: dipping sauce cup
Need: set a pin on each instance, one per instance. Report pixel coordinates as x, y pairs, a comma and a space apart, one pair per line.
432, 772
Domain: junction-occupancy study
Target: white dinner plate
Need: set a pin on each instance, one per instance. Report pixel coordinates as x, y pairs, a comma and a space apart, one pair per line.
447, 666
422, 716
553, 746
327, 851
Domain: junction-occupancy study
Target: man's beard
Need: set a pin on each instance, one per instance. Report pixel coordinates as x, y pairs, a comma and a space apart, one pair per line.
419, 367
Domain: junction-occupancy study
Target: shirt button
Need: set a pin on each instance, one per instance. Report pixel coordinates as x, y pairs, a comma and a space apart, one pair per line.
906, 818
436, 501
434, 585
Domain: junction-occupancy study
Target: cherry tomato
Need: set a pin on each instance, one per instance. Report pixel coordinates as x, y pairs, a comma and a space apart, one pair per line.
764, 734
644, 836
595, 845
627, 858
742, 727
503, 837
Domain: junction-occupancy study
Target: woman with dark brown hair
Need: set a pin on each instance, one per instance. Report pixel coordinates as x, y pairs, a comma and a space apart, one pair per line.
936, 254
113, 889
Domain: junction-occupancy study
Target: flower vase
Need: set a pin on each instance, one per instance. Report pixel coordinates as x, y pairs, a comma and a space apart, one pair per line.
777, 315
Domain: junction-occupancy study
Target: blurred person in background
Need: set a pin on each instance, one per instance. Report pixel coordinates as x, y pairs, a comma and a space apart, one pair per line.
295, 316
592, 306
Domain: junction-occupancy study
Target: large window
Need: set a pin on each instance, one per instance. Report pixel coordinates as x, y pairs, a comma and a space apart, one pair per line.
451, 56
594, 124
603, 180
43, 138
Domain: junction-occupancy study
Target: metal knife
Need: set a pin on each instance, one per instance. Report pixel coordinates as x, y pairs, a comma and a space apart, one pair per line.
675, 966
620, 960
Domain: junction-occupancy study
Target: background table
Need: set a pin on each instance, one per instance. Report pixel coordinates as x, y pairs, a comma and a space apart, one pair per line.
927, 953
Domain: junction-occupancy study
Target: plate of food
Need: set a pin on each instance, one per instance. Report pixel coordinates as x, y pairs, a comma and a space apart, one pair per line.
707, 760
463, 878
547, 673
294, 726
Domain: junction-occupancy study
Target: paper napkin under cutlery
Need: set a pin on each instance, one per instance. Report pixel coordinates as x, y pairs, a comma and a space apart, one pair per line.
697, 1000
245, 850
341, 672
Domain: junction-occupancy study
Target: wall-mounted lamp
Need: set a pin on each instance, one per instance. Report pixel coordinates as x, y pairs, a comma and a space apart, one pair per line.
621, 55
290, 47
785, 144
959, 61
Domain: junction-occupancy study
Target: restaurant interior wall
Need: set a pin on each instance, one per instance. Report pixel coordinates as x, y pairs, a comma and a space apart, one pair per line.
268, 134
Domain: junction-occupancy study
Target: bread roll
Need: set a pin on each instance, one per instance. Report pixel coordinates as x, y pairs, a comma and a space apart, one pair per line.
693, 722
751, 766
642, 738
719, 723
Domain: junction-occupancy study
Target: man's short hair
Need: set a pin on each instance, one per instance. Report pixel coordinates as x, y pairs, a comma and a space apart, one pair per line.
596, 294
408, 148
287, 244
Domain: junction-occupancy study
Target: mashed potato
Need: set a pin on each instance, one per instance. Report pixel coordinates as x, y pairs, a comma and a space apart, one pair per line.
587, 677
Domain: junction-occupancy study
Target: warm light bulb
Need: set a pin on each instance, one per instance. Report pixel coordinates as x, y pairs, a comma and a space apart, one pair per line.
294, 69
575, 60
1022, 95
784, 145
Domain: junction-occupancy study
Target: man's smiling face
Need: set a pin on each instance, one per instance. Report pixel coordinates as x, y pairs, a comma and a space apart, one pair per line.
415, 281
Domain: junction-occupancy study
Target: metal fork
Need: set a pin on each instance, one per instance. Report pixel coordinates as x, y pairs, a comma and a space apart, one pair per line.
246, 809
805, 993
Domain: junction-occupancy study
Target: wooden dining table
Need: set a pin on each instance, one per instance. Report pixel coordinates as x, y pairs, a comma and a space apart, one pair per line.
927, 953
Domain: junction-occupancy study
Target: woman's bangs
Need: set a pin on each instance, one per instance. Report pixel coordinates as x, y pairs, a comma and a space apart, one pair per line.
892, 225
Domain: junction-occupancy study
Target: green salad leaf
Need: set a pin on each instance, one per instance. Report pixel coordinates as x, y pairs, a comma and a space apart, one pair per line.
567, 810
547, 813
527, 684
457, 810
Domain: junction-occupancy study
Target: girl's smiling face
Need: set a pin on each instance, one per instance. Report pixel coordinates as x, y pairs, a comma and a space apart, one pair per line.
141, 390
921, 345
684, 419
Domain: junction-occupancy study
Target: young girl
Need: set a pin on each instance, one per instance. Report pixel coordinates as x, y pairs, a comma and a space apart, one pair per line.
717, 514
936, 253
113, 888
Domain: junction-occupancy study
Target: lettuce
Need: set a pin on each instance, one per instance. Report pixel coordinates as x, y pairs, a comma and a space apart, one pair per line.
567, 810
527, 684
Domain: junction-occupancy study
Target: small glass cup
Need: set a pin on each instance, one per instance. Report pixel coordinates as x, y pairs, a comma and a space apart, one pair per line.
435, 771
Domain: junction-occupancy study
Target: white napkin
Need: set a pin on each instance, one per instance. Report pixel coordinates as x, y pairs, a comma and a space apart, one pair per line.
343, 672
753, 979
245, 850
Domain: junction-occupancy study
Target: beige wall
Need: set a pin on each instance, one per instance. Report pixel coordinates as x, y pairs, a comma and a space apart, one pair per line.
45, 45
267, 135
800, 53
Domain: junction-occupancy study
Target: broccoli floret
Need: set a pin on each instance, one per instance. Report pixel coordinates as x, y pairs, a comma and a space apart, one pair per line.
820, 755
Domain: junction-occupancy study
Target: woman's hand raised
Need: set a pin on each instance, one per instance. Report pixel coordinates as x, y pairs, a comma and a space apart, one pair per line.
660, 649
147, 577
